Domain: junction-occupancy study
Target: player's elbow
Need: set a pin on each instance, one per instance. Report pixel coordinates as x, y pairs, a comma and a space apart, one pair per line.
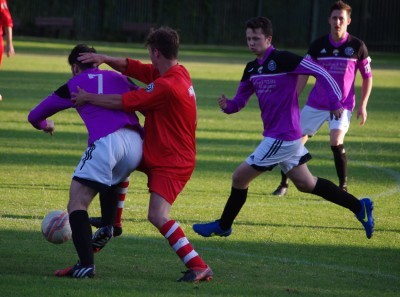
33, 120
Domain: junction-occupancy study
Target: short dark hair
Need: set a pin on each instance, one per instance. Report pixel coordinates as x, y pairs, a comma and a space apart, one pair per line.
166, 40
260, 22
340, 5
73, 56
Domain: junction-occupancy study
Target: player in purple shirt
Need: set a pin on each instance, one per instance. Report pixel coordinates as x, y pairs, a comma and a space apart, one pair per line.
272, 76
342, 55
114, 151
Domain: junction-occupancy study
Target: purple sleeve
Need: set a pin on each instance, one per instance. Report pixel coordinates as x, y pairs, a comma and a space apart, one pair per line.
49, 106
245, 90
365, 68
309, 67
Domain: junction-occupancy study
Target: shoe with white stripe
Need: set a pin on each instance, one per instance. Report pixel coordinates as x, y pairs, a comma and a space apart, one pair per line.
77, 271
101, 237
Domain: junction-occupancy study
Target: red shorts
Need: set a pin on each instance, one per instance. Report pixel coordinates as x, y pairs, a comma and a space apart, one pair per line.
167, 187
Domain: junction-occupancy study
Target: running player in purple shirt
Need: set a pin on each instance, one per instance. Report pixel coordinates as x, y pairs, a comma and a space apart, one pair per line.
342, 55
272, 76
114, 151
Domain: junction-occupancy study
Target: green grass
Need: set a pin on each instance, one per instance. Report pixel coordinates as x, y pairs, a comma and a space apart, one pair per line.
298, 245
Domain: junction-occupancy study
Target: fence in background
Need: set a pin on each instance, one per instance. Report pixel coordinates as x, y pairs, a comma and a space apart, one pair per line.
296, 22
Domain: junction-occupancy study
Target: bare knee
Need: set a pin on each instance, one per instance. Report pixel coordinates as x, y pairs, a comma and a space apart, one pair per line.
243, 176
152, 218
304, 186
157, 219
303, 179
237, 178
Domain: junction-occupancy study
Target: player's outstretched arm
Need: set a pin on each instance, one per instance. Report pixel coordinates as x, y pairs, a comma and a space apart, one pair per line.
118, 64
111, 101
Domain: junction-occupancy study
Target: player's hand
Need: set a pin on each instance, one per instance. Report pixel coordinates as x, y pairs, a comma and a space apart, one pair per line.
222, 102
50, 127
9, 49
80, 97
337, 113
362, 112
95, 59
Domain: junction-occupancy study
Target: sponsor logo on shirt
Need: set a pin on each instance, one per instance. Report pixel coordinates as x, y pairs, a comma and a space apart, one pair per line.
272, 65
260, 69
191, 92
323, 51
150, 88
335, 52
251, 69
349, 51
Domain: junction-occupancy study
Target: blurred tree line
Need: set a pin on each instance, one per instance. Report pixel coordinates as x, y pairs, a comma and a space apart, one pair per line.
296, 22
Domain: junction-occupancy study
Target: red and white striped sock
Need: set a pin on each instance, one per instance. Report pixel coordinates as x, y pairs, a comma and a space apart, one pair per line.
122, 189
181, 245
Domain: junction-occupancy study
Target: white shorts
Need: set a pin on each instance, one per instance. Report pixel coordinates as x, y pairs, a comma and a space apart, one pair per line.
112, 158
272, 152
311, 120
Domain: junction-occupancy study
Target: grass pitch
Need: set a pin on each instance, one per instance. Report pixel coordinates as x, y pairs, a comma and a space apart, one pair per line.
298, 245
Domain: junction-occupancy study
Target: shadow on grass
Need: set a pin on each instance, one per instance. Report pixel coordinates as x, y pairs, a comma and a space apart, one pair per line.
237, 223
130, 263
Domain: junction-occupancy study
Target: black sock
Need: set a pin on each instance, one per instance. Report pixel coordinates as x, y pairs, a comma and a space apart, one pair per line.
340, 157
109, 206
82, 236
232, 207
284, 179
329, 191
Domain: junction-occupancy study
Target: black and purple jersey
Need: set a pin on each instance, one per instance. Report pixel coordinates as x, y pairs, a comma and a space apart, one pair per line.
273, 79
99, 121
341, 60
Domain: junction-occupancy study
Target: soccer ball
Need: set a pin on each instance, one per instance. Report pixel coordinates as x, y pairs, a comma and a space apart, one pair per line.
56, 228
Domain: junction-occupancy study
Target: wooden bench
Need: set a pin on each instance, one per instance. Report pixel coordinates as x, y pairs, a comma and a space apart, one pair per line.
137, 31
55, 25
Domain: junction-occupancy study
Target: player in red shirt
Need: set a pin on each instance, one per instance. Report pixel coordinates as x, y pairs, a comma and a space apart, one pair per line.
169, 106
6, 25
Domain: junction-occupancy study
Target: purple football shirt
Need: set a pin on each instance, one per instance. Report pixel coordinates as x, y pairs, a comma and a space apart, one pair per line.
273, 79
99, 121
341, 60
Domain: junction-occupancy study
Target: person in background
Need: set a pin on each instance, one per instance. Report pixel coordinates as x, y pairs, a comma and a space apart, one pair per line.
272, 76
169, 155
114, 151
6, 28
342, 55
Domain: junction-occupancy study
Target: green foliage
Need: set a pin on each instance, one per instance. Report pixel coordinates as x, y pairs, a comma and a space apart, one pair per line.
297, 245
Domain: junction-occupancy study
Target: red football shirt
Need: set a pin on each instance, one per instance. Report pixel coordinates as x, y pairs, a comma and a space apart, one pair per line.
169, 106
5, 16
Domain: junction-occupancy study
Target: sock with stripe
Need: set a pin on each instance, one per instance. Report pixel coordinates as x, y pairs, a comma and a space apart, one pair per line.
181, 245
122, 190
